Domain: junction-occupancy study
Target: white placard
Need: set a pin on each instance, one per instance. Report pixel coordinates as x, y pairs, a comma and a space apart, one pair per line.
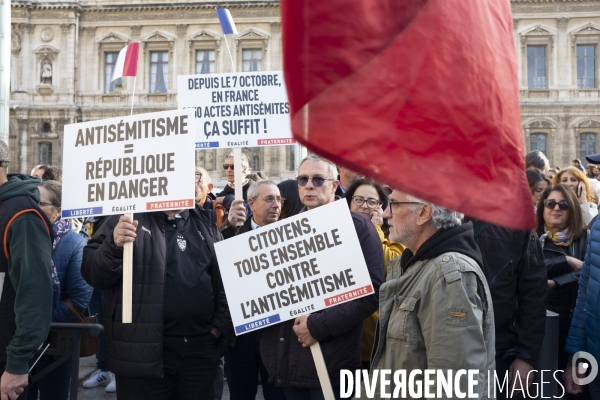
245, 109
139, 163
293, 267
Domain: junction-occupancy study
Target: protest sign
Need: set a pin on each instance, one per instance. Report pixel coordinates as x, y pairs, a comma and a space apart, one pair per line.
130, 164
245, 109
293, 267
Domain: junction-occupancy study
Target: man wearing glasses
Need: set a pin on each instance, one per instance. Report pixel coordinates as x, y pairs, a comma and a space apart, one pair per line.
284, 348
435, 307
242, 361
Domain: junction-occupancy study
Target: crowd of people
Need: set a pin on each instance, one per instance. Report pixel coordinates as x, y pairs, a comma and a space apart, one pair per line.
450, 292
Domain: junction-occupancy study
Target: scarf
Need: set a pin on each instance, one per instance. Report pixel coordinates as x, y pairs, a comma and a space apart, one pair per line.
59, 228
562, 238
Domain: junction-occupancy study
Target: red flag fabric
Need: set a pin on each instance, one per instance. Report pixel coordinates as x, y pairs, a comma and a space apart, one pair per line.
419, 94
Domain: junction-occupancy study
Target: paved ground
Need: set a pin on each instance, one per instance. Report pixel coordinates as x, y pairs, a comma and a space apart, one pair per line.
87, 366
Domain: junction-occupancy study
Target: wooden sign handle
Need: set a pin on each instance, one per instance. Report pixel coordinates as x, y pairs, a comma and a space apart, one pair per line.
127, 278
322, 371
238, 178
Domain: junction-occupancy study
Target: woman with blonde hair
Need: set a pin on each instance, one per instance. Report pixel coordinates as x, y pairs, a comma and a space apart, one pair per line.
577, 181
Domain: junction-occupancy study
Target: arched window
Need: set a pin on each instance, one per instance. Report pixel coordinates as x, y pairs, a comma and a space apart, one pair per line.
587, 144
537, 141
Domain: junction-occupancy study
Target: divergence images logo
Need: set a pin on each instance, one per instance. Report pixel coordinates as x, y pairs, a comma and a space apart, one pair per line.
581, 369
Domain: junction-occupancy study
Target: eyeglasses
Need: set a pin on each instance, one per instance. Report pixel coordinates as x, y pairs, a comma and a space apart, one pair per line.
42, 203
270, 199
371, 202
317, 181
551, 204
392, 203
198, 177
227, 166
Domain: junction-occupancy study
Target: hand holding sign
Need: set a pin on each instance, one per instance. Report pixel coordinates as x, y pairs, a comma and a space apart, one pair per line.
237, 212
125, 230
301, 330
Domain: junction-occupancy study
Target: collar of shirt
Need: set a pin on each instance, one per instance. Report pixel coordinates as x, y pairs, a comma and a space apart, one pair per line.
254, 224
184, 215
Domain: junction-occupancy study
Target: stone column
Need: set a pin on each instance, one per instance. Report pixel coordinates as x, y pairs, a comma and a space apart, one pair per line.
276, 48
27, 57
563, 60
181, 54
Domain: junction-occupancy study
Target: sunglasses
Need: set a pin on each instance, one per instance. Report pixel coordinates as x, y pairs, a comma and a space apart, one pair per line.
551, 204
227, 166
317, 181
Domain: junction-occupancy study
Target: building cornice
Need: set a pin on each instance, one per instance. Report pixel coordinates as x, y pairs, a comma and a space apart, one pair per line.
126, 6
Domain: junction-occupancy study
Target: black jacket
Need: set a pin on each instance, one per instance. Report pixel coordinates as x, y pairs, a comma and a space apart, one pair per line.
135, 349
338, 329
514, 268
562, 299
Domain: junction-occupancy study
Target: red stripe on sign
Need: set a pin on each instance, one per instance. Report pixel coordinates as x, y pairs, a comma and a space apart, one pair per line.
131, 59
351, 295
263, 142
169, 204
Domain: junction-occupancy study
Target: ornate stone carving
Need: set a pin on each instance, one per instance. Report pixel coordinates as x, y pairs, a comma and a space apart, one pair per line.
589, 124
46, 72
135, 30
157, 37
26, 28
252, 34
181, 29
15, 43
538, 31
562, 22
540, 124
112, 38
276, 27
47, 34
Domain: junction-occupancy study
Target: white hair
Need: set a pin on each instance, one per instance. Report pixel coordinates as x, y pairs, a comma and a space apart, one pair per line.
245, 163
254, 188
205, 175
333, 172
442, 218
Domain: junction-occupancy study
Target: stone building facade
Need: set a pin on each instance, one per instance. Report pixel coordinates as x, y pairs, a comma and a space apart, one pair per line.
63, 54
558, 43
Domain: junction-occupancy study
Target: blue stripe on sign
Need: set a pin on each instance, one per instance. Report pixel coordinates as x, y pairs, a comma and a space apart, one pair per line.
206, 145
226, 21
82, 212
259, 323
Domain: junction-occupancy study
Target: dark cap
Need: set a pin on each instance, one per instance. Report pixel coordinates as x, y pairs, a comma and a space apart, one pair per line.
594, 158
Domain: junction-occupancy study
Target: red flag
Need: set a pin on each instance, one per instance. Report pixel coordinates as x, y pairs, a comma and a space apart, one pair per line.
419, 94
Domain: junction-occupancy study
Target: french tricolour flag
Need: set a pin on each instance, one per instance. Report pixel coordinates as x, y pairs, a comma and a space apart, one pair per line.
226, 21
126, 61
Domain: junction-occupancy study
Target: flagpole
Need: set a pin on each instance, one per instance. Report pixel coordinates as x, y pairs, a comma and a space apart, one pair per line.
229, 51
133, 93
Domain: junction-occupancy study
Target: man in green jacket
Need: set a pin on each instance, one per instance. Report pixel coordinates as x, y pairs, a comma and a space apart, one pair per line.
25, 277
435, 306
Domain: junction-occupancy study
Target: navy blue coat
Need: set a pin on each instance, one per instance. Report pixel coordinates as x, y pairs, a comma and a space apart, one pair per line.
67, 259
584, 333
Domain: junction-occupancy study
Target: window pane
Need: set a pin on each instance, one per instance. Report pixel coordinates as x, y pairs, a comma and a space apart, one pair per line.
536, 67
44, 153
205, 61
587, 144
251, 60
586, 66
537, 141
159, 71
110, 59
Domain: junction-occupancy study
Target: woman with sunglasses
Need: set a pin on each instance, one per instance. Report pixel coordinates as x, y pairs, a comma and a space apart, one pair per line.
564, 240
577, 181
366, 197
